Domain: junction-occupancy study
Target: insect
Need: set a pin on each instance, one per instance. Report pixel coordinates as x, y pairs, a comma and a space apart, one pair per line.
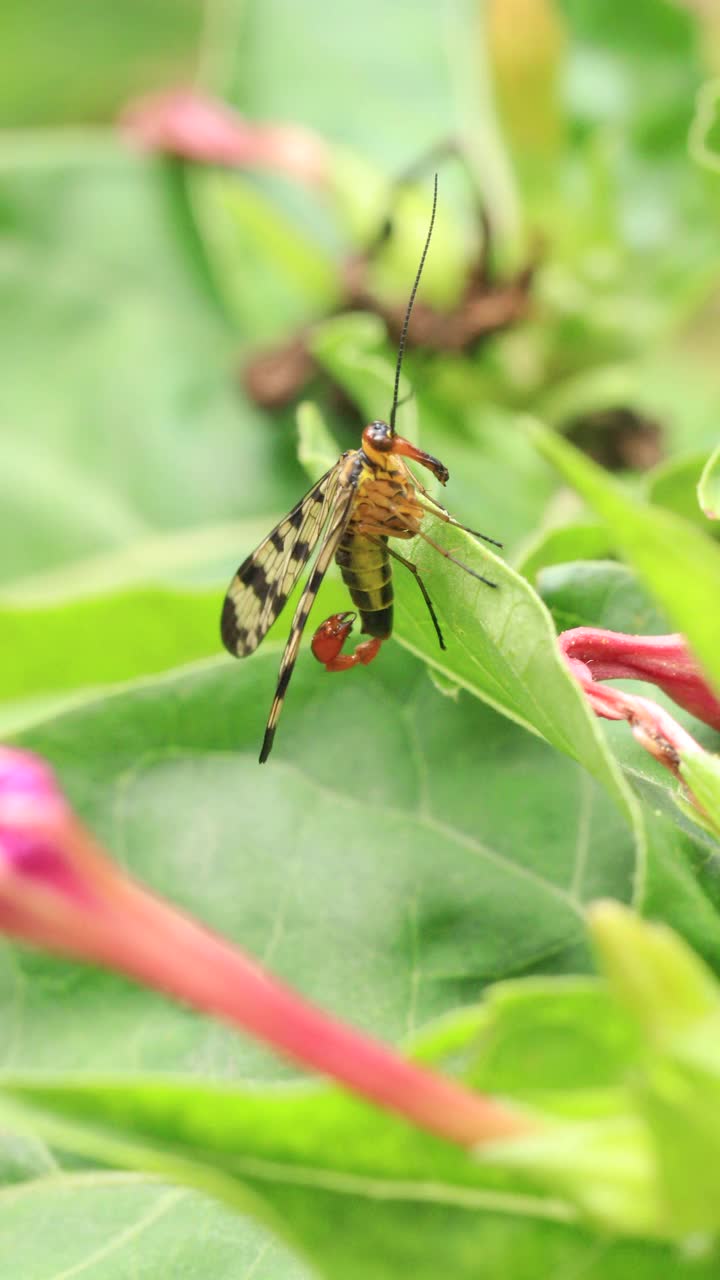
367, 497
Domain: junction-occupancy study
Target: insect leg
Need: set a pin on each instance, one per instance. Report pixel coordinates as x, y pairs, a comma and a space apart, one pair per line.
438, 510
459, 563
416, 574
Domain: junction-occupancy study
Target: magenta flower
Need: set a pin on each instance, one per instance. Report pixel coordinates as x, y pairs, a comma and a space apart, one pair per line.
59, 890
594, 655
663, 660
184, 123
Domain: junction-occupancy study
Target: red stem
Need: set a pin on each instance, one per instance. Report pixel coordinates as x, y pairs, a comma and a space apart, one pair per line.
128, 929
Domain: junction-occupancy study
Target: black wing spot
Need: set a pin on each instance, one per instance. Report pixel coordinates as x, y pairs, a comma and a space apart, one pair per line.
232, 635
301, 550
253, 575
277, 540
295, 518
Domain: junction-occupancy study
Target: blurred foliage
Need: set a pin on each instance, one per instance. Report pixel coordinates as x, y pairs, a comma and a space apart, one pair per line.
77, 63
403, 848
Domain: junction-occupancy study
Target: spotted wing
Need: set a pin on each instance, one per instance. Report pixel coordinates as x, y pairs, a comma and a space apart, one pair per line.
262, 584
341, 515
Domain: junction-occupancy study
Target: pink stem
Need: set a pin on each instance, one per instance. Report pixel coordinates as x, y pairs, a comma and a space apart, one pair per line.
124, 927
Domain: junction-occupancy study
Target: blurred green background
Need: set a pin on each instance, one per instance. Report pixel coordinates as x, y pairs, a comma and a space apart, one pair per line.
132, 293
135, 474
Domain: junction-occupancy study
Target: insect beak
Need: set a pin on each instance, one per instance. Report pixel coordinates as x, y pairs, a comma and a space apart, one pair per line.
408, 450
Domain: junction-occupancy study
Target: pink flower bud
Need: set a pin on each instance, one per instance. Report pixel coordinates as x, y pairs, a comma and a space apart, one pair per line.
32, 810
181, 122
663, 660
593, 655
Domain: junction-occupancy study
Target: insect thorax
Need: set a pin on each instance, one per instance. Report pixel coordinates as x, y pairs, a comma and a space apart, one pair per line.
385, 502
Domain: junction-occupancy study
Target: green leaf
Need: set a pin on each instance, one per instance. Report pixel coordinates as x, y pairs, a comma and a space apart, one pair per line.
510, 659
709, 486
580, 540
104, 639
366, 1174
110, 1225
497, 481
701, 772
653, 974
347, 347
393, 269
200, 557
270, 274
599, 593
142, 631
134, 426
558, 1044
124, 615
678, 563
167, 773
675, 1001
675, 484
317, 450
321, 1143
290, 1156
646, 55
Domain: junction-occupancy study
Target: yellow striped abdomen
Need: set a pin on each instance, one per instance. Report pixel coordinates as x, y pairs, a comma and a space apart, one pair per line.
365, 566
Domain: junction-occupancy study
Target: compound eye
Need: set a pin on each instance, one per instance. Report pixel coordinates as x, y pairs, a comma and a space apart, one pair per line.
378, 435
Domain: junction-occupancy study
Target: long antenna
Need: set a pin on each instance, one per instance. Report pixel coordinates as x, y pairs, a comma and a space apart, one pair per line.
406, 321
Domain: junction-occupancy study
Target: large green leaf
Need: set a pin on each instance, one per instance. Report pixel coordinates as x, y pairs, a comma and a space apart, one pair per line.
599, 593
676, 484
110, 1226
134, 425
105, 639
577, 540
167, 774
103, 636
366, 1226
302, 1159
511, 659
